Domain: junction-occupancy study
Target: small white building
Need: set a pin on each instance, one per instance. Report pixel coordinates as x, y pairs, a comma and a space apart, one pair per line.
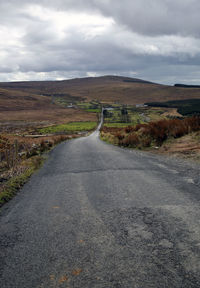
141, 105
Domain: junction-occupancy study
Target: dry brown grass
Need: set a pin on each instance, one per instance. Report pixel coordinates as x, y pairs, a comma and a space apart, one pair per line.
187, 146
128, 93
20, 108
14, 100
19, 158
56, 115
107, 89
171, 112
153, 133
184, 146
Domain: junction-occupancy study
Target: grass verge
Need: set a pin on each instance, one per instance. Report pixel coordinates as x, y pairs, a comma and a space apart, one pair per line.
69, 127
118, 125
153, 134
15, 183
13, 177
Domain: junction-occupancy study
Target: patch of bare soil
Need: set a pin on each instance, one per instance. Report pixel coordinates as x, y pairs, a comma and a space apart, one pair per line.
172, 112
187, 147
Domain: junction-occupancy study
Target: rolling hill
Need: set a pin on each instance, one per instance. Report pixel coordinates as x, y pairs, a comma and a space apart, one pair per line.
108, 89
35, 100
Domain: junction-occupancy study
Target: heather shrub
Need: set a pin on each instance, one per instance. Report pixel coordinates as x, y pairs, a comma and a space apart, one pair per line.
129, 129
154, 132
131, 140
43, 146
119, 136
146, 141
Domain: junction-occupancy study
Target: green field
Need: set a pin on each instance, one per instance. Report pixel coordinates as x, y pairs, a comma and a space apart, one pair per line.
134, 116
118, 125
91, 107
93, 110
69, 127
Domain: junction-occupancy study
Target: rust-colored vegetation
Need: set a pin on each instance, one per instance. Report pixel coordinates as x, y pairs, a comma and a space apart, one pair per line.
77, 272
19, 158
153, 133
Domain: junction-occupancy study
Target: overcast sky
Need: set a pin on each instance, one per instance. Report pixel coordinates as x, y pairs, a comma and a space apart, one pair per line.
157, 40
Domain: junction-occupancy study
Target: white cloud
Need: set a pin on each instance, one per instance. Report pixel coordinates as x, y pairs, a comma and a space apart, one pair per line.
63, 22
63, 39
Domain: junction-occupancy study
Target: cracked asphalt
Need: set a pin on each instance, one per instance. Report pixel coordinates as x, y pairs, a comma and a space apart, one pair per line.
100, 216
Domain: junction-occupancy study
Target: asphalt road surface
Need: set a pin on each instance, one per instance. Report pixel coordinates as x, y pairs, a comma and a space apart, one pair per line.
100, 216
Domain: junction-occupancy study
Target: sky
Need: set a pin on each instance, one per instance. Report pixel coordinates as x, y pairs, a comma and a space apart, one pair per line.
156, 40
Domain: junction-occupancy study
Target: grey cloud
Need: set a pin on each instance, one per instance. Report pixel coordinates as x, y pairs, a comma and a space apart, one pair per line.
156, 17
136, 43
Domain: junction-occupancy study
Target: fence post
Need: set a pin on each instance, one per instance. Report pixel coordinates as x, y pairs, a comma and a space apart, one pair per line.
16, 147
7, 158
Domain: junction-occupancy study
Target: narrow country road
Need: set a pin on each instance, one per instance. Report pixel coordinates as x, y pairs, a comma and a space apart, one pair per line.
99, 216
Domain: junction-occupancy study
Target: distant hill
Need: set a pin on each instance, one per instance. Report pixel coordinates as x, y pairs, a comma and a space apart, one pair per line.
108, 89
16, 99
187, 86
